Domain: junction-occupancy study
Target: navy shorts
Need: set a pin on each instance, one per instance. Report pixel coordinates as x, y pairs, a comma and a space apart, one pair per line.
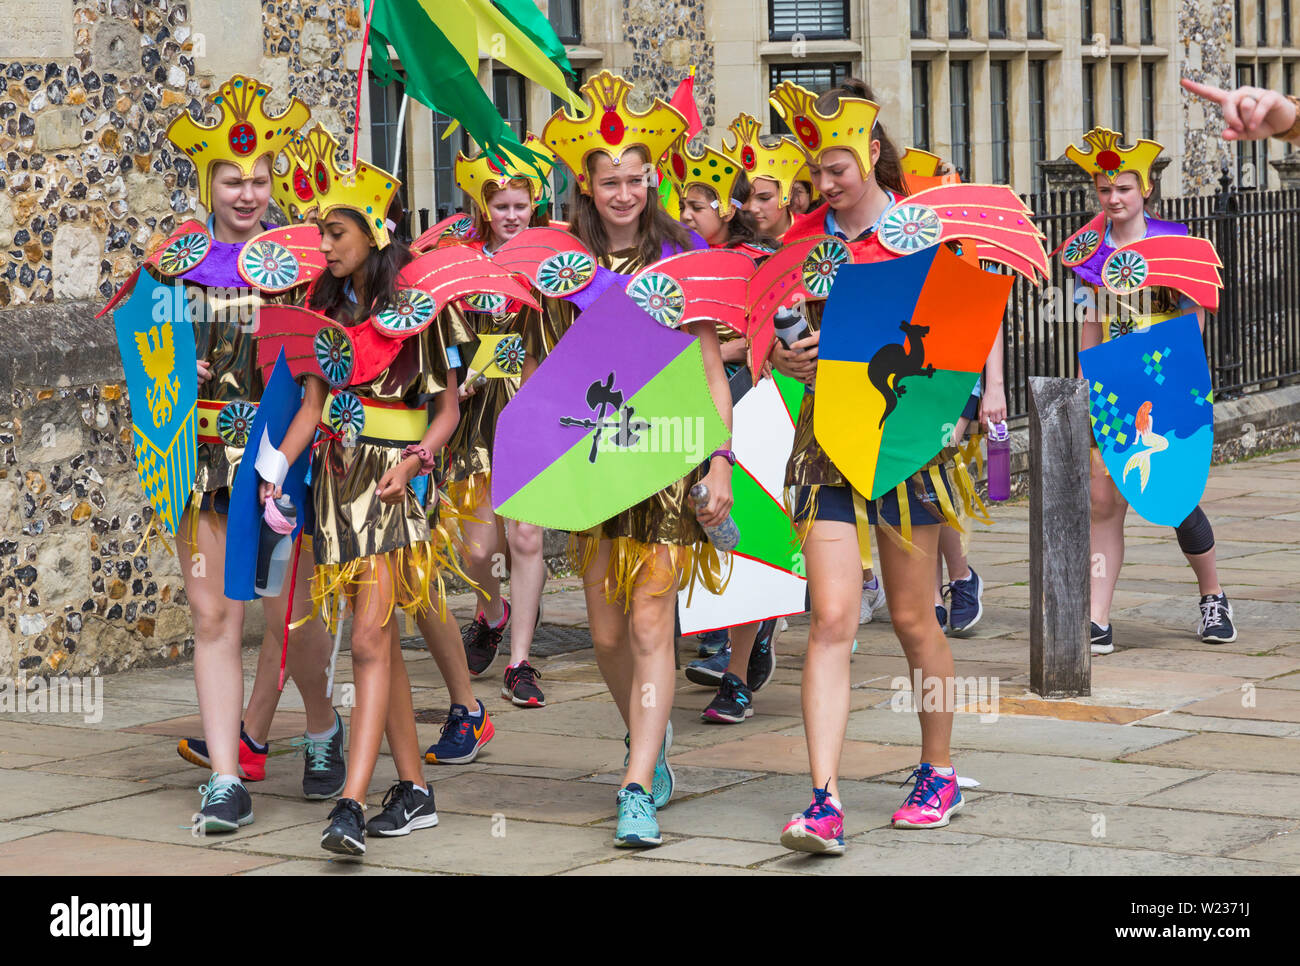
836, 503
972, 408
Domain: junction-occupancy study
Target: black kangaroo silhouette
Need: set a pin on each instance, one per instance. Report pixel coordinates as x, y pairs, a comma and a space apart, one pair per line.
894, 360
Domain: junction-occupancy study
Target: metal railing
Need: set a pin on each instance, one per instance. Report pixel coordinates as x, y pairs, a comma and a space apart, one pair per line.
1251, 343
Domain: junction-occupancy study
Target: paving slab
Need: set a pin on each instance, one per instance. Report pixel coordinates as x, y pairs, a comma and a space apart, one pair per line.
1220, 752
286, 724
1283, 848
115, 713
1246, 666
589, 755
1146, 688
341, 868
11, 830
134, 763
1114, 826
77, 854
646, 864
789, 754
30, 793
1061, 777
1261, 704
53, 741
713, 852
1015, 733
537, 799
1234, 792
1287, 682
1240, 726
688, 779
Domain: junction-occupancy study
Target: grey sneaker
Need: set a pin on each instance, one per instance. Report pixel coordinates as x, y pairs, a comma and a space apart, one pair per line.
225, 806
324, 767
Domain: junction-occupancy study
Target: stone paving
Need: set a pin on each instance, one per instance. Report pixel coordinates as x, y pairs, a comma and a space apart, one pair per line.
1185, 759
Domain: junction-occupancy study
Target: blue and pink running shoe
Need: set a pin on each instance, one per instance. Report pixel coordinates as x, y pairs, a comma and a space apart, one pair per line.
932, 801
819, 829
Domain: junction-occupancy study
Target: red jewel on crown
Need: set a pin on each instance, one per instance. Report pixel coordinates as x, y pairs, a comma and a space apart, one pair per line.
748, 158
301, 184
611, 127
243, 139
322, 177
1109, 161
679, 167
807, 131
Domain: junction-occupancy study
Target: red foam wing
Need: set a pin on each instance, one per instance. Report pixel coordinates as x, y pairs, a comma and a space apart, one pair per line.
451, 273
532, 246
303, 242
778, 282
292, 328
120, 294
1185, 263
714, 283
452, 230
992, 214
1096, 224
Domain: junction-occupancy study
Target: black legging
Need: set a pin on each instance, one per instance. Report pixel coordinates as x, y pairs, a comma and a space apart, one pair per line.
1195, 535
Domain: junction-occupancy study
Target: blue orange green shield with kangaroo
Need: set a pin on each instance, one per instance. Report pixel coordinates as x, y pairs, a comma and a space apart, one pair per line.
902, 343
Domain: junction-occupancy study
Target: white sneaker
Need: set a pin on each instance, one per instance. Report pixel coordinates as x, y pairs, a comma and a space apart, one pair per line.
872, 600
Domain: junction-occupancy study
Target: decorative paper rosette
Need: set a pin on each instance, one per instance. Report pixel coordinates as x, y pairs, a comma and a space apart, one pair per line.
1081, 246
334, 355
509, 355
410, 313
460, 228
269, 265
661, 298
347, 417
487, 303
564, 272
820, 266
910, 228
183, 253
1125, 271
234, 420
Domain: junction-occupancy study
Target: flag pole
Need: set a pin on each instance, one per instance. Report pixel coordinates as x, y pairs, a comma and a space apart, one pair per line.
361, 79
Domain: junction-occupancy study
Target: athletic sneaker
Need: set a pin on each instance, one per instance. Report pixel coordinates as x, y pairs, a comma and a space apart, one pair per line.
225, 806
733, 703
462, 737
637, 825
873, 598
1103, 642
252, 763
521, 686
324, 766
1216, 620
762, 659
708, 671
346, 832
713, 641
820, 828
662, 783
932, 800
481, 641
405, 810
941, 613
967, 604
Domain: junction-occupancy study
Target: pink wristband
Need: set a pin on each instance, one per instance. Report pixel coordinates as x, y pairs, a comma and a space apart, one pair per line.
423, 455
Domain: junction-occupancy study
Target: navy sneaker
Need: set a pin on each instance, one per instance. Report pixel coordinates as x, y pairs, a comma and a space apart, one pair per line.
1216, 620
462, 737
226, 805
709, 671
346, 832
967, 604
1102, 641
941, 613
712, 641
762, 659
324, 767
733, 703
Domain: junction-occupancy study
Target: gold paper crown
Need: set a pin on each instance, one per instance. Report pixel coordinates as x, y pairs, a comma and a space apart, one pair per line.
365, 189
311, 160
473, 175
611, 126
921, 163
1105, 156
710, 168
849, 128
781, 163
244, 135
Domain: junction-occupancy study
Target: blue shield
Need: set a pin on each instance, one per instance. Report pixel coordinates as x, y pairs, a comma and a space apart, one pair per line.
1153, 416
156, 340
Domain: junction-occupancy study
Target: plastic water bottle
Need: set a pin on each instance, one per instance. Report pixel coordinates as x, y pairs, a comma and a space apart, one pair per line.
724, 536
790, 326
999, 462
273, 552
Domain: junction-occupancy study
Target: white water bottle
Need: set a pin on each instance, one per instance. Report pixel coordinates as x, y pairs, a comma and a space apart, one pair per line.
273, 553
725, 535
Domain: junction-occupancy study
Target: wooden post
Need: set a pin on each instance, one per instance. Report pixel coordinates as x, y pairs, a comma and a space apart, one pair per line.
1060, 656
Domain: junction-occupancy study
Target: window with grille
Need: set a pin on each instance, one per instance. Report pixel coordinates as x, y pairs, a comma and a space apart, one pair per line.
447, 197
565, 17
1001, 122
1261, 23
385, 135
510, 99
1149, 101
920, 18
1117, 98
814, 77
921, 105
997, 18
1034, 20
959, 87
1148, 22
1088, 21
1037, 119
1089, 96
1286, 23
1236, 22
958, 19
1116, 21
810, 19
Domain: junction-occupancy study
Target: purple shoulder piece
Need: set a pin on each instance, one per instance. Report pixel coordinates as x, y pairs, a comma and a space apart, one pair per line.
220, 268
1090, 271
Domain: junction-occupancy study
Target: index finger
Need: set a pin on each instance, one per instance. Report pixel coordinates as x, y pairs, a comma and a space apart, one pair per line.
1216, 94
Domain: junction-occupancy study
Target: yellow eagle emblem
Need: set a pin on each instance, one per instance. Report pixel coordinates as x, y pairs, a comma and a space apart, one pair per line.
158, 357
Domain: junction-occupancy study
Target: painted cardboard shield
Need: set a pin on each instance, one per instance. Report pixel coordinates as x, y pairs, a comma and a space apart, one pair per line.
902, 343
156, 339
767, 578
1152, 415
618, 411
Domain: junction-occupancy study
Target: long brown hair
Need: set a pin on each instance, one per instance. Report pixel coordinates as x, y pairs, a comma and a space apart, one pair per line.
887, 169
483, 224
654, 227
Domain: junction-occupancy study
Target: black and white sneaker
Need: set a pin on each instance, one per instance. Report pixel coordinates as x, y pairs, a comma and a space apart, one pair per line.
1102, 640
324, 769
1216, 620
225, 806
762, 659
406, 808
733, 703
346, 833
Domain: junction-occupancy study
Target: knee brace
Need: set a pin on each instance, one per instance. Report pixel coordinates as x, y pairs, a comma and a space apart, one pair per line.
1195, 535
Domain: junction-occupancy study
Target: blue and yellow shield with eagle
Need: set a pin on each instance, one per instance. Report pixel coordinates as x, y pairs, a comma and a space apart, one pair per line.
156, 340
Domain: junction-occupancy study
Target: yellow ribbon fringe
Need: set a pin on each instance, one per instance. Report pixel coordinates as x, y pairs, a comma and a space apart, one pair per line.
633, 562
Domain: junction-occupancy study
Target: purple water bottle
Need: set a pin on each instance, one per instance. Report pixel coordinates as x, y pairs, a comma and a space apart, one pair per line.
999, 462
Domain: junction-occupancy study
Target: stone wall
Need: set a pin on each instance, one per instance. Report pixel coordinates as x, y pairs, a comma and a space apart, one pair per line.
88, 180
1206, 54
667, 37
